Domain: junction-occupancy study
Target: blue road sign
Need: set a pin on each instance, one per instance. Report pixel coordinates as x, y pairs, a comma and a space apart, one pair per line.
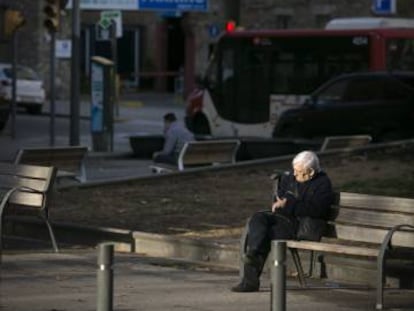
386, 7
173, 5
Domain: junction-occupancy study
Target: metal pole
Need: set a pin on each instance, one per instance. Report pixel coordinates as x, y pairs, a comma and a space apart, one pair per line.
104, 297
52, 87
114, 46
278, 276
13, 107
112, 98
75, 76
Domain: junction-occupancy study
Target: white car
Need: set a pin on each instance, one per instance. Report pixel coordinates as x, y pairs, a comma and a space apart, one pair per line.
30, 92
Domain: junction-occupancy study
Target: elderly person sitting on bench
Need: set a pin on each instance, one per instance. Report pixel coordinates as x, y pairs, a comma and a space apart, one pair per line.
306, 193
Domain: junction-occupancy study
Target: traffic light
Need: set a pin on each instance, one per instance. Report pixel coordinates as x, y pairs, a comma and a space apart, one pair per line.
230, 26
13, 20
52, 12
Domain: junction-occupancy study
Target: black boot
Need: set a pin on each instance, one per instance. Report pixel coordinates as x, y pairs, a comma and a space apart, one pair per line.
251, 273
250, 281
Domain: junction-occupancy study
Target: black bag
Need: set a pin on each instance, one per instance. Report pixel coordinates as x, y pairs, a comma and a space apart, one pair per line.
310, 229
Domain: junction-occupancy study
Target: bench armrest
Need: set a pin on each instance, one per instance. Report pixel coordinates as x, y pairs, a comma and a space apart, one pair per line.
386, 243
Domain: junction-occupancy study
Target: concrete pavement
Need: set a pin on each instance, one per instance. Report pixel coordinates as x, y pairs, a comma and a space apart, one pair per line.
137, 114
39, 280
64, 282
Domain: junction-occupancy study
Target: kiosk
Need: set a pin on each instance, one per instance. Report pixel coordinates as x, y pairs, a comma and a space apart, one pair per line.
102, 103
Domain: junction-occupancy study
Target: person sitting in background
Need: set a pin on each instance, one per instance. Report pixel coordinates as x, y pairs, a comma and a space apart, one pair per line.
305, 193
176, 135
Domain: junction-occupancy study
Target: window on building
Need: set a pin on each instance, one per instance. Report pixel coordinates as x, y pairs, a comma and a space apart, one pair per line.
283, 21
321, 20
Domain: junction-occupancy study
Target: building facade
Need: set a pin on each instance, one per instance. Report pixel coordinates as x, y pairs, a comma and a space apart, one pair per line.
157, 47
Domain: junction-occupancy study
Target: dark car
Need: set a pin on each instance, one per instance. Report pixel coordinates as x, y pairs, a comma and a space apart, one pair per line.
380, 104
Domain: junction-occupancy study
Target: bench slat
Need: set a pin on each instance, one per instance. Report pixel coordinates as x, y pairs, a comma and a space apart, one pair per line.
377, 202
373, 235
11, 182
25, 170
334, 248
34, 200
209, 152
69, 159
372, 218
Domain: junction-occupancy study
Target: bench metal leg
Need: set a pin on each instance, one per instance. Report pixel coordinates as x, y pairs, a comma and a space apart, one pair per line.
311, 264
298, 265
243, 249
51, 234
3, 205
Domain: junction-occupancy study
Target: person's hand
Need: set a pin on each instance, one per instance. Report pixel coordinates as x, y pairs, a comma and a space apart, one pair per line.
279, 203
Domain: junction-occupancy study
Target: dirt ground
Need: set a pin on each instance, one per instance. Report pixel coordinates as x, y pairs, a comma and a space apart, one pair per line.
212, 202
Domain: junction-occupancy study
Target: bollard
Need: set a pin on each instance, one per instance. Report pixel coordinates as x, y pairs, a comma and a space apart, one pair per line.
278, 276
104, 279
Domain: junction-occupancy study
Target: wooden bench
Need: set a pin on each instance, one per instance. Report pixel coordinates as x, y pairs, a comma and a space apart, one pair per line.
364, 226
341, 142
201, 153
27, 187
70, 161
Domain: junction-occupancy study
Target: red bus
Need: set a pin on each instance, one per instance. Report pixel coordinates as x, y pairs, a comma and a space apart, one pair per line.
254, 75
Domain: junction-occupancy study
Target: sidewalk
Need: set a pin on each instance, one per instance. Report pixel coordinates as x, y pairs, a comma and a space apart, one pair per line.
139, 114
67, 281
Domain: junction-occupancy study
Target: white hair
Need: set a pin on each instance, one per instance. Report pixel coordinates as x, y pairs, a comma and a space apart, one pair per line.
308, 159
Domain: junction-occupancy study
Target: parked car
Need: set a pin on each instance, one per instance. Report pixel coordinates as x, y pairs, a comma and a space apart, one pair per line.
30, 92
380, 104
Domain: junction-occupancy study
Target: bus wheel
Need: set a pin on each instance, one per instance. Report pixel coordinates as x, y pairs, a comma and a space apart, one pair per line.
201, 126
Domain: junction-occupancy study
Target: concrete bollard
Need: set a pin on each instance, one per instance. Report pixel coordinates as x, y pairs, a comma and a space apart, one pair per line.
278, 276
104, 292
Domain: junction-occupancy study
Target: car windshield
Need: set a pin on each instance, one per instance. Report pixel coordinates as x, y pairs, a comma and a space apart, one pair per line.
23, 73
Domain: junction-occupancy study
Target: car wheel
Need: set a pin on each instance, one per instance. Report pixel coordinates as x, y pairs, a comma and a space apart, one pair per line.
34, 109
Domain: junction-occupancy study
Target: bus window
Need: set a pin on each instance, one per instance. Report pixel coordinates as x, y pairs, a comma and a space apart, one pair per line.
400, 54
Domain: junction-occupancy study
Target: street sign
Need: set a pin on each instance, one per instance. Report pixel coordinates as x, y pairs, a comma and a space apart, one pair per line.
63, 48
152, 5
106, 20
102, 34
384, 7
173, 5
213, 30
106, 5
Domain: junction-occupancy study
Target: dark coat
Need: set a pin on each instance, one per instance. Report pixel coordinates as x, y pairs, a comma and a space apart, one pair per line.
312, 198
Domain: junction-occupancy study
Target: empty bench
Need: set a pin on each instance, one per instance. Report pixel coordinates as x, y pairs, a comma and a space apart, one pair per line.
70, 161
364, 226
341, 142
27, 187
202, 153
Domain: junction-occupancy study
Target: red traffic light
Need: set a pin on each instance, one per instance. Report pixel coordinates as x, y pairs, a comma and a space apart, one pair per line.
230, 26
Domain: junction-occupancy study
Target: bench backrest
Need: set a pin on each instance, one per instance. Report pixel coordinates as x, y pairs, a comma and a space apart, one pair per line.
367, 218
341, 142
208, 152
69, 159
38, 178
